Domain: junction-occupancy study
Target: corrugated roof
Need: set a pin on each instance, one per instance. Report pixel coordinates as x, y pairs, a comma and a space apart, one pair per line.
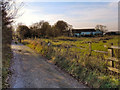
82, 30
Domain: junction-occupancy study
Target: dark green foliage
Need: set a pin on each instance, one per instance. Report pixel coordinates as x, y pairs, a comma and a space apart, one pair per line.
44, 29
23, 31
40, 29
61, 26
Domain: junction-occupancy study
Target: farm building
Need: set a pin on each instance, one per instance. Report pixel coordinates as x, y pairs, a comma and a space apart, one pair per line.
86, 32
112, 33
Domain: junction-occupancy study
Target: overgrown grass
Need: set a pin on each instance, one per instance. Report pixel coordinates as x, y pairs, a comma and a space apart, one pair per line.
66, 53
6, 55
6, 60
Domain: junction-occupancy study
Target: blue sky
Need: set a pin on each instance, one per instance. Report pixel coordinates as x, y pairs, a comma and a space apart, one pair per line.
78, 14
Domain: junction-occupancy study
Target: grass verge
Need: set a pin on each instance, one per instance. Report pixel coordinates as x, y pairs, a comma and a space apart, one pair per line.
90, 70
7, 56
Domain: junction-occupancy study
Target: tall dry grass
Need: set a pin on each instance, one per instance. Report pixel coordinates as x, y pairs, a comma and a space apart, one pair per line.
91, 70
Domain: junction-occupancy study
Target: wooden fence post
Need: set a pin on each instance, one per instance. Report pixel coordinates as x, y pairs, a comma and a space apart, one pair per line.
49, 46
110, 53
112, 59
90, 48
60, 48
67, 49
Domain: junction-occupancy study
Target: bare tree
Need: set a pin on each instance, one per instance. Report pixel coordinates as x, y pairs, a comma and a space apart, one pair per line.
101, 28
9, 11
70, 27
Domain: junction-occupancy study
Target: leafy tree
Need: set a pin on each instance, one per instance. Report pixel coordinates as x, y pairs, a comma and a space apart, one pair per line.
55, 32
23, 31
36, 29
33, 32
46, 29
41, 28
62, 26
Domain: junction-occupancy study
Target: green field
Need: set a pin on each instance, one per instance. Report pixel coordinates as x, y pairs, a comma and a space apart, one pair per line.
73, 55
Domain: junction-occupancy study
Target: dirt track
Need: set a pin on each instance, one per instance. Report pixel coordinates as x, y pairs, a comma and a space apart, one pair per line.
31, 70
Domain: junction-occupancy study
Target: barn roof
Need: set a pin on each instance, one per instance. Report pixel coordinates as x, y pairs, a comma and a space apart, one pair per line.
82, 30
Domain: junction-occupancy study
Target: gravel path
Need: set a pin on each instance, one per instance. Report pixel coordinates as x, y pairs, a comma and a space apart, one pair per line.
31, 70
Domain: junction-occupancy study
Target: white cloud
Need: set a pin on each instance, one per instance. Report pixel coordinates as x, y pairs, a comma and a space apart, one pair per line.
90, 17
113, 4
67, 0
106, 15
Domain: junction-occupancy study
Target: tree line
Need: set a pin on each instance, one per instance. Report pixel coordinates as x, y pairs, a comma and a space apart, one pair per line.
43, 29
